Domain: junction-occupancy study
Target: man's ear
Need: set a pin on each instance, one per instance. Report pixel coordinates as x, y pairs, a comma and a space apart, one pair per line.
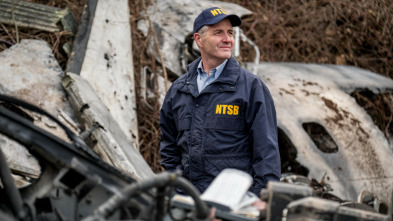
198, 38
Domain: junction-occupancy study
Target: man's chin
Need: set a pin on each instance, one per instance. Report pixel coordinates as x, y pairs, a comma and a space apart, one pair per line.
226, 55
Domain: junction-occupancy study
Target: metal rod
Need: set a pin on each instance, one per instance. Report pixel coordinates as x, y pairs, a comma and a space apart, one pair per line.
10, 188
257, 53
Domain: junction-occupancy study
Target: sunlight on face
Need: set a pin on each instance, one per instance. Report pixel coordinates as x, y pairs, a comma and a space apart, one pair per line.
217, 42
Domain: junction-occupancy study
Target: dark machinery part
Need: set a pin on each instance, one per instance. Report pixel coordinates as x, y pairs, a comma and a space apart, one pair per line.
294, 202
161, 180
86, 134
279, 195
312, 208
12, 192
76, 184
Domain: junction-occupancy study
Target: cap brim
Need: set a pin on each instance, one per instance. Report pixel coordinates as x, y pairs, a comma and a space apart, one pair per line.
234, 19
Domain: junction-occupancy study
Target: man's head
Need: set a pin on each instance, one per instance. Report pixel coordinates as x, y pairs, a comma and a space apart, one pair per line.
213, 33
212, 16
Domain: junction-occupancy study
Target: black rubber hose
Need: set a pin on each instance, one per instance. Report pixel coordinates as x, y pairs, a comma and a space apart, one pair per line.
36, 109
70, 134
202, 211
160, 203
10, 188
160, 180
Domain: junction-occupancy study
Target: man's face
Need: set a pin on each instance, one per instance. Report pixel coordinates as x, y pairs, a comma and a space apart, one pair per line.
217, 42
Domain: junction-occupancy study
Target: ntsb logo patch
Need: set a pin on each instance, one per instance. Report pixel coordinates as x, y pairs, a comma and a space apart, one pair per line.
217, 11
227, 109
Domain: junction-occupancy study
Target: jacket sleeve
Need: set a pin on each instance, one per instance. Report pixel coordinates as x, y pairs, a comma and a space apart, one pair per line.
170, 153
263, 137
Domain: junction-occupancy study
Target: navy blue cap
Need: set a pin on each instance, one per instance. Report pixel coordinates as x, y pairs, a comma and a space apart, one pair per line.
212, 16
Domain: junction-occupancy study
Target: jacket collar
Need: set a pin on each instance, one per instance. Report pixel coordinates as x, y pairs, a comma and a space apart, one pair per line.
229, 75
231, 72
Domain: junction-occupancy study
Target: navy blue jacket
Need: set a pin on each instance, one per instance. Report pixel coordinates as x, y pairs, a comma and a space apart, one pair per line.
230, 124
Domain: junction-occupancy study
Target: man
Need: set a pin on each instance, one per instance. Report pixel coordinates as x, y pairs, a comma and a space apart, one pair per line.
219, 115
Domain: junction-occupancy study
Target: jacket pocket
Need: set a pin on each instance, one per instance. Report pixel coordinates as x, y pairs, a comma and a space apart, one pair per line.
224, 123
215, 164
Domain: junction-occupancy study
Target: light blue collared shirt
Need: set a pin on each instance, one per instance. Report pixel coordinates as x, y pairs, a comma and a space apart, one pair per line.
203, 79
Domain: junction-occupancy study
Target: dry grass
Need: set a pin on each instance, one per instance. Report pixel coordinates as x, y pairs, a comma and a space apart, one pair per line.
349, 32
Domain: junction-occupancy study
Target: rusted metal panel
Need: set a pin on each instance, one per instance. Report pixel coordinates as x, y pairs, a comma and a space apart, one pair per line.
306, 93
33, 15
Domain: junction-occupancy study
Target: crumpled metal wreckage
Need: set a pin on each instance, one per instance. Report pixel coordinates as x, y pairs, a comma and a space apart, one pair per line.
76, 184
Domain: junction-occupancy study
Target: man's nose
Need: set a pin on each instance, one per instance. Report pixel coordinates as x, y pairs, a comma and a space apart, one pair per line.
227, 37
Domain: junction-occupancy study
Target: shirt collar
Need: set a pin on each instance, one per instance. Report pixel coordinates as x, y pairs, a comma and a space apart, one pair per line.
218, 69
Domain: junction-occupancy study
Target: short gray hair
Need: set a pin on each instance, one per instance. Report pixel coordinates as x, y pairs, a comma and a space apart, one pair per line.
202, 31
